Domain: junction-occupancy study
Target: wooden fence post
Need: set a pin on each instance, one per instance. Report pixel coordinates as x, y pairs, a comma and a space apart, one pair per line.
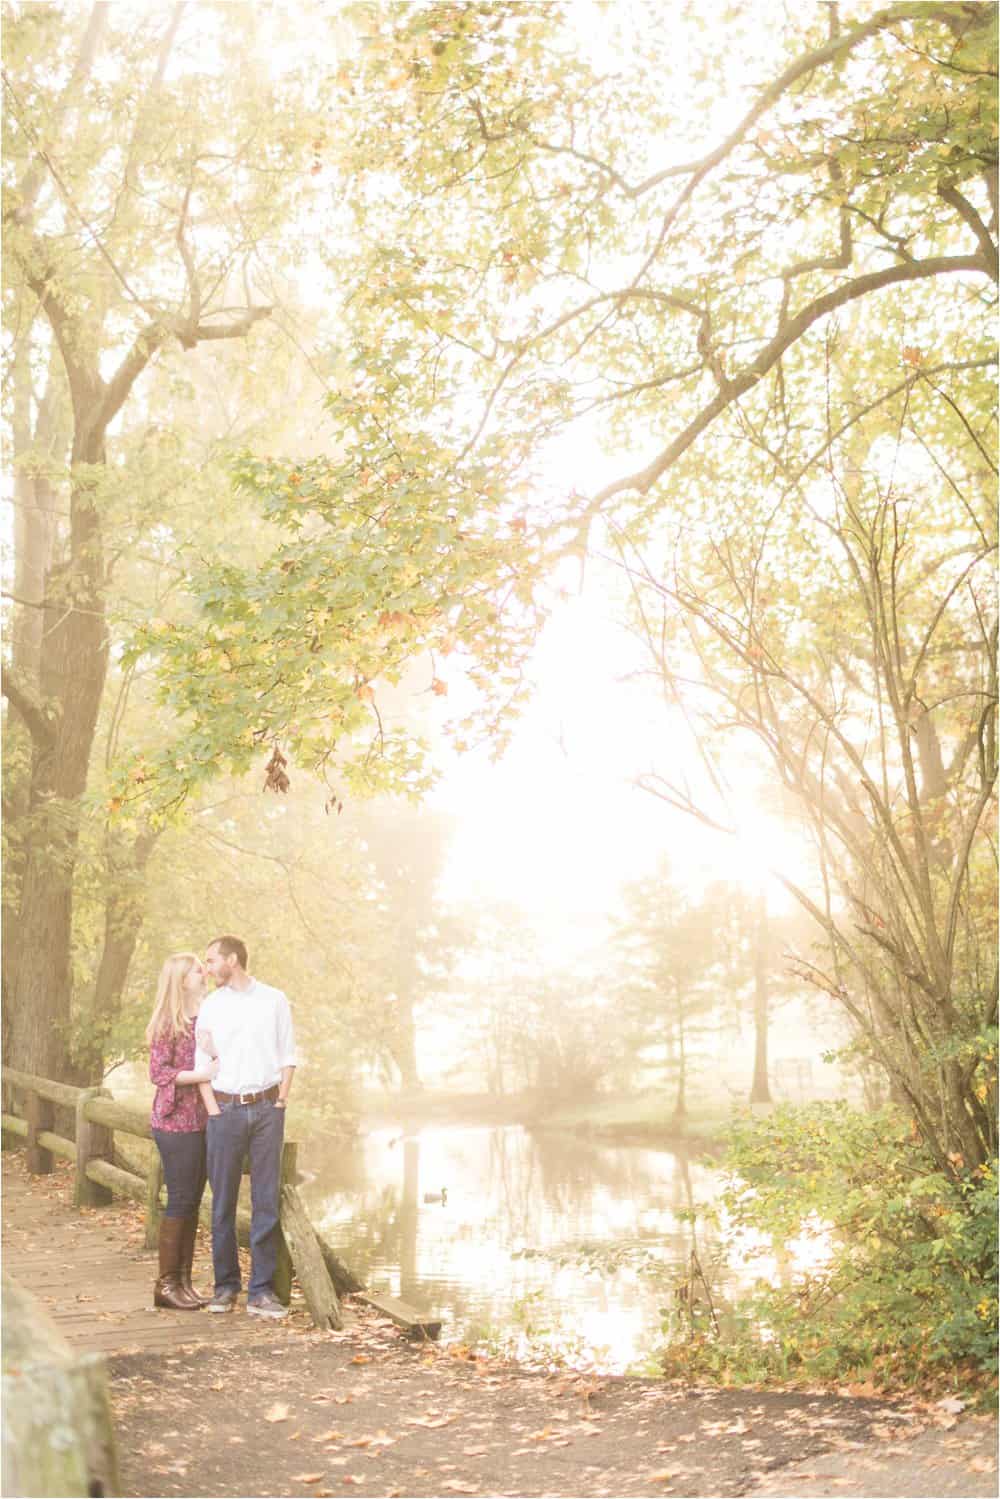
154, 1212
283, 1269
93, 1143
38, 1113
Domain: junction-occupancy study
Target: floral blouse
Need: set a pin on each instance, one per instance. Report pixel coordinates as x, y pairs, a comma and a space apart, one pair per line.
177, 1106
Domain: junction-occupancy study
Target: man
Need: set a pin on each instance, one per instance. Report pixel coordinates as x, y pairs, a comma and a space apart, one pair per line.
247, 1025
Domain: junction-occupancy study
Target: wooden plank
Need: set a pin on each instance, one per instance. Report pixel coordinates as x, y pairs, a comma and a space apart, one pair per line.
345, 1282
15, 1126
403, 1314
317, 1287
282, 1278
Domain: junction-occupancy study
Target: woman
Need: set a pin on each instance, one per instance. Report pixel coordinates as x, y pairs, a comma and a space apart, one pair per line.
178, 1122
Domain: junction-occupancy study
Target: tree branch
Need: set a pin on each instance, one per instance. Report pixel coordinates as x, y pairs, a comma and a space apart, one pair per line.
862, 286
29, 707
950, 194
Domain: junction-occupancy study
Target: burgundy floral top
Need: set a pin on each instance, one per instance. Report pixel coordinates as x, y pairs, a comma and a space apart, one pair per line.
177, 1106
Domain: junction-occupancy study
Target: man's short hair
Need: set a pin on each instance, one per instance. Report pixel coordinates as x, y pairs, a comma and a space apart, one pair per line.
231, 947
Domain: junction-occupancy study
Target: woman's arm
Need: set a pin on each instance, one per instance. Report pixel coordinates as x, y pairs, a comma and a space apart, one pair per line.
199, 1074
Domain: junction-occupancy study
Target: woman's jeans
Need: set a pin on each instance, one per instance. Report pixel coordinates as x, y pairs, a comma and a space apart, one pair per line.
183, 1155
256, 1130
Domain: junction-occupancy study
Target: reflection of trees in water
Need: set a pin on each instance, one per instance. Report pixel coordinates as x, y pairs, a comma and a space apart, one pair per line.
546, 1191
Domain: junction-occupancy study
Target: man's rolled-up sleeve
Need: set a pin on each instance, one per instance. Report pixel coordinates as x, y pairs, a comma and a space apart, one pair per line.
201, 1056
286, 1035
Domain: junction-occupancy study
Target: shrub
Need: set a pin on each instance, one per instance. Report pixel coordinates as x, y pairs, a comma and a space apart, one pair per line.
908, 1288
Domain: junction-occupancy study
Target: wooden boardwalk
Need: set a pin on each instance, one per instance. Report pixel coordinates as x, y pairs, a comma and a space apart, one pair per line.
94, 1276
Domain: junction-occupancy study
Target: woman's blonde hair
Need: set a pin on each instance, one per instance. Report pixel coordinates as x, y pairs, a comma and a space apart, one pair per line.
168, 1017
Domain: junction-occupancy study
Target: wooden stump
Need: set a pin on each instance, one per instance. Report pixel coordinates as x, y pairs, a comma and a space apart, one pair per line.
57, 1433
93, 1143
38, 1113
154, 1208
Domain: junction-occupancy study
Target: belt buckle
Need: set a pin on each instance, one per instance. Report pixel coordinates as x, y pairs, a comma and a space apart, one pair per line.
246, 1098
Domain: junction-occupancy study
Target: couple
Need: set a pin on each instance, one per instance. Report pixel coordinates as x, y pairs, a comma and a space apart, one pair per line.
222, 1067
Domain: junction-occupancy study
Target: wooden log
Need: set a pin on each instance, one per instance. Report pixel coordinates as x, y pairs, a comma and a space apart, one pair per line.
404, 1315
45, 1087
299, 1235
154, 1212
57, 1144
282, 1282
57, 1431
13, 1125
345, 1282
38, 1112
93, 1143
119, 1116
122, 1183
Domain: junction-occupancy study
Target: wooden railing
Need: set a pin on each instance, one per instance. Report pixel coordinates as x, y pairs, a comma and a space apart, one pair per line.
322, 1275
97, 1179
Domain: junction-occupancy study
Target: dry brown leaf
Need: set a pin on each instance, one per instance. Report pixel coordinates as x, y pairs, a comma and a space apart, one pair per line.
307, 1477
460, 1488
473, 1451
278, 1412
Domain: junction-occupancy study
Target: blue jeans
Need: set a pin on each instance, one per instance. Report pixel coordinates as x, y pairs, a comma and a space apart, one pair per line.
256, 1130
183, 1155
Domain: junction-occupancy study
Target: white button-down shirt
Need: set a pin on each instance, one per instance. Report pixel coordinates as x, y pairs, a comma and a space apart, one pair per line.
251, 1034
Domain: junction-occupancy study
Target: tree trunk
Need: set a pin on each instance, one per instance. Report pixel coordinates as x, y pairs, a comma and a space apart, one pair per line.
680, 1103
124, 913
35, 532
73, 667
404, 1048
760, 1091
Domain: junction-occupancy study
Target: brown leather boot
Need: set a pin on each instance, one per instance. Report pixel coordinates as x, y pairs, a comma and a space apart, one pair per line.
168, 1291
187, 1259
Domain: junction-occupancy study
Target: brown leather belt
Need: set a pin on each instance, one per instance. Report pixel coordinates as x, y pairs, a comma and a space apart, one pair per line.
269, 1094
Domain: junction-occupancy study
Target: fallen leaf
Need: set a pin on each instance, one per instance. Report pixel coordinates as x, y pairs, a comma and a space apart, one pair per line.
473, 1451
460, 1488
307, 1477
278, 1412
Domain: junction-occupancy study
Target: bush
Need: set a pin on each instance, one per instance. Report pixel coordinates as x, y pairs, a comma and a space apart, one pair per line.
908, 1288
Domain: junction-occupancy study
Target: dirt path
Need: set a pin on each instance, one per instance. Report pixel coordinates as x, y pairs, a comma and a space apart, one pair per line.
363, 1411
220, 1406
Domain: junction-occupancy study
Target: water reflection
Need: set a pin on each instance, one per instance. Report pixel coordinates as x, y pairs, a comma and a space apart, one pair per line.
501, 1250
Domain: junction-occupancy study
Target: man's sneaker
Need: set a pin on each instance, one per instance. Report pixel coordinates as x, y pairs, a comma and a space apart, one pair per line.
223, 1301
267, 1305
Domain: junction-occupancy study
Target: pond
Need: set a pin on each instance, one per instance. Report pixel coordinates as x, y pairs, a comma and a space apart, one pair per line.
485, 1226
